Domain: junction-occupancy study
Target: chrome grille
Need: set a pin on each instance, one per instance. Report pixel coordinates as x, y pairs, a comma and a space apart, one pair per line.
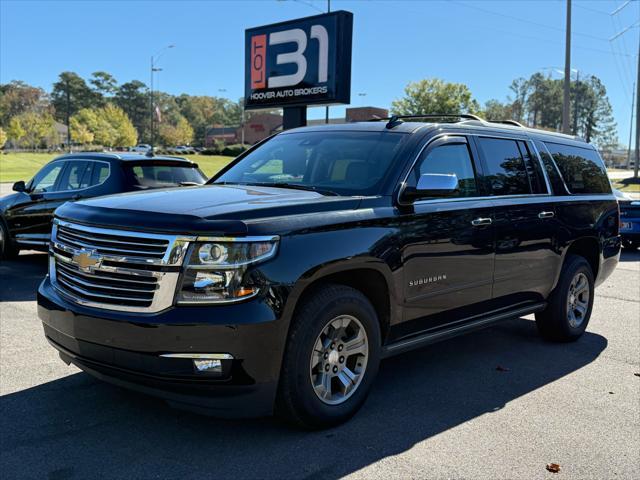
115, 269
112, 244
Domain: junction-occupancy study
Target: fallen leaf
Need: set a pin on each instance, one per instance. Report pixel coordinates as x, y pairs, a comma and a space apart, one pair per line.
500, 368
611, 393
553, 467
637, 374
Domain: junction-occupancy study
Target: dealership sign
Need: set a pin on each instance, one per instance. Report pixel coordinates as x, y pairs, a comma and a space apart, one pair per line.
299, 62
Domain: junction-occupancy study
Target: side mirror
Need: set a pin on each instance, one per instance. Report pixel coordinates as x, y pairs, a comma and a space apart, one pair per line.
433, 185
19, 186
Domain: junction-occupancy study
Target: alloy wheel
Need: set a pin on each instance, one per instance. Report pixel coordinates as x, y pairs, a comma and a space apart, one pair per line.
339, 359
578, 300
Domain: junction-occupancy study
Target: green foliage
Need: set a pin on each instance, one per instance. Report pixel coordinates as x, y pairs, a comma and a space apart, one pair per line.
233, 150
179, 134
133, 98
433, 96
104, 84
496, 110
32, 129
3, 137
108, 126
71, 93
17, 97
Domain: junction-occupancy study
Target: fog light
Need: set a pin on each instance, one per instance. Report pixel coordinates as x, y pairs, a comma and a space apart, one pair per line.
208, 365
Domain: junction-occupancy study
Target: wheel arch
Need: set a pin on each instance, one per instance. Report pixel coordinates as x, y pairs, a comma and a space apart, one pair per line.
370, 277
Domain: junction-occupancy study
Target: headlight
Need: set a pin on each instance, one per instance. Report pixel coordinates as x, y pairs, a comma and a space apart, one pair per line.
214, 272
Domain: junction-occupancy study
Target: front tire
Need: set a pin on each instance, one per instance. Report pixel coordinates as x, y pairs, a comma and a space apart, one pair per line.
331, 359
569, 306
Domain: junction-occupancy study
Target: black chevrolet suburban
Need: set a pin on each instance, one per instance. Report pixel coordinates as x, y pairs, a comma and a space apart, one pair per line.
281, 284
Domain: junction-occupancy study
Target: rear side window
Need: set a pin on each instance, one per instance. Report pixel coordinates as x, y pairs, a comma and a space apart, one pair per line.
552, 172
99, 173
581, 168
506, 171
75, 176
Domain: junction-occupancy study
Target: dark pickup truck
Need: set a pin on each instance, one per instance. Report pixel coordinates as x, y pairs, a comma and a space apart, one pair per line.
281, 284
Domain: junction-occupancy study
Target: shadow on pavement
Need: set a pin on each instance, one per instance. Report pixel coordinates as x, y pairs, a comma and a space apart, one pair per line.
77, 427
630, 256
20, 278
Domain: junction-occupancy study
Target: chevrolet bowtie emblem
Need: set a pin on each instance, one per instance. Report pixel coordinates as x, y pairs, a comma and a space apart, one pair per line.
87, 260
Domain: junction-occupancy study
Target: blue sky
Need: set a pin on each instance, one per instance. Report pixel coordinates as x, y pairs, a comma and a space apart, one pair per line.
484, 44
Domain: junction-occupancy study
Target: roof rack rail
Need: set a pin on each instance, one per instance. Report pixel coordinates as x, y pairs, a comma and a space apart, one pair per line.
508, 122
393, 120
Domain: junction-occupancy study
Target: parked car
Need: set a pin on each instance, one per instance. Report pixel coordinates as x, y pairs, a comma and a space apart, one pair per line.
26, 216
629, 220
183, 150
141, 148
282, 283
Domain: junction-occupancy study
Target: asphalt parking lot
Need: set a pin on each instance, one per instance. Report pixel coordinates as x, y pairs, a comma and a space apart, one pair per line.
444, 411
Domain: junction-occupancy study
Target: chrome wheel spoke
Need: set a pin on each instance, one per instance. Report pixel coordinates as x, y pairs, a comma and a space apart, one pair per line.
356, 345
578, 300
339, 359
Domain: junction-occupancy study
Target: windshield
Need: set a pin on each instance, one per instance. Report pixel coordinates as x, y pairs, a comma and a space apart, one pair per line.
161, 175
348, 163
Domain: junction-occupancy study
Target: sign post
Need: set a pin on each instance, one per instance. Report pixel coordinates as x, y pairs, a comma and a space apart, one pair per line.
297, 63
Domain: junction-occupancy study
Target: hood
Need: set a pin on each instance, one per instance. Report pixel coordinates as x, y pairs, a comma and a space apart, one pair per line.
206, 209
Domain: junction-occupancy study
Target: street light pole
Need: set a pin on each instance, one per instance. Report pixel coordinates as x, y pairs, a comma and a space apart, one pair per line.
567, 74
326, 111
154, 60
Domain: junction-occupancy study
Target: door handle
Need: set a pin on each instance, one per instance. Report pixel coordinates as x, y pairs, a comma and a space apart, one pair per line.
481, 221
546, 215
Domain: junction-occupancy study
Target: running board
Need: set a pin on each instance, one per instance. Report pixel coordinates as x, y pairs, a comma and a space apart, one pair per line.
433, 337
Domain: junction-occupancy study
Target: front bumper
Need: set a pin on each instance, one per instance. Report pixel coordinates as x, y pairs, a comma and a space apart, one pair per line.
124, 349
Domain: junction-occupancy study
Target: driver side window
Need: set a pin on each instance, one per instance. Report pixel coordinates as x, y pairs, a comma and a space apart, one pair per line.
45, 179
450, 158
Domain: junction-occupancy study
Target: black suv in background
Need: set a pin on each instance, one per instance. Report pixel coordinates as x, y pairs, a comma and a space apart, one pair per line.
26, 216
282, 283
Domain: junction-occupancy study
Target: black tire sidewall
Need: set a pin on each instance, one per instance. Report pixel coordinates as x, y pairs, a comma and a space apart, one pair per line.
310, 409
575, 266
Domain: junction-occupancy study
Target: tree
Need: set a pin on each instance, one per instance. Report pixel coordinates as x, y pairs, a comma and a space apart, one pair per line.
433, 96
81, 133
104, 86
17, 97
73, 88
496, 110
179, 134
133, 98
3, 137
108, 126
32, 129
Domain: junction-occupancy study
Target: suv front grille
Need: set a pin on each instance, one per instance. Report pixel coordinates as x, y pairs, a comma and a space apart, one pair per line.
115, 269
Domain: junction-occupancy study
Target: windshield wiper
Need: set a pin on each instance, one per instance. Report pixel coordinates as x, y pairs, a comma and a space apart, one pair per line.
294, 186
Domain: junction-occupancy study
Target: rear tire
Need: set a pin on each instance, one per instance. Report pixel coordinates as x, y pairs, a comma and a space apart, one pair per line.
331, 358
8, 249
569, 306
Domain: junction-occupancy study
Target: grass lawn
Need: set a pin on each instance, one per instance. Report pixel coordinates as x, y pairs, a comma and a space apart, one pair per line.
627, 187
22, 166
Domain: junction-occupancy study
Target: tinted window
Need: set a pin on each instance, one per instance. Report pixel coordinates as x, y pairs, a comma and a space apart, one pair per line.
75, 177
506, 171
552, 171
455, 159
581, 168
351, 163
158, 175
99, 173
45, 179
534, 170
